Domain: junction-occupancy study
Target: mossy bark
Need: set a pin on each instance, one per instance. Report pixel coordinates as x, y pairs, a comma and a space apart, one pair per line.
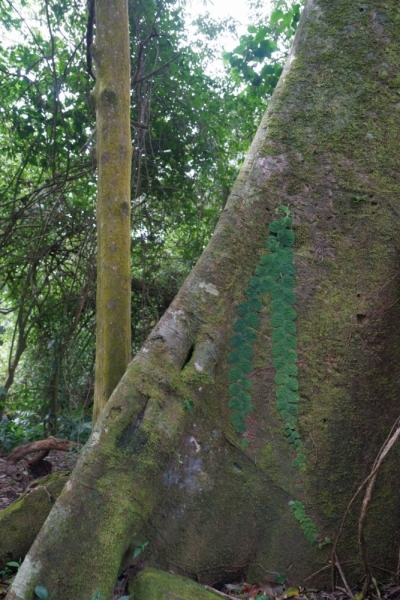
328, 147
21, 521
114, 150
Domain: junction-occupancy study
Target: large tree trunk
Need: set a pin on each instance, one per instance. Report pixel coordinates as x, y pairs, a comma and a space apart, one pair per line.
210, 506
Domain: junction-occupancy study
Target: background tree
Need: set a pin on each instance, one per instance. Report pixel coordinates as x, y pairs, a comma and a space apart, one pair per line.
114, 155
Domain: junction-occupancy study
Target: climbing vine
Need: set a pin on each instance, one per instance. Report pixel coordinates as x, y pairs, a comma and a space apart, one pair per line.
274, 275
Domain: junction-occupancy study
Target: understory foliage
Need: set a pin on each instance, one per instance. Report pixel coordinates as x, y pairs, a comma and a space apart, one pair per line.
190, 132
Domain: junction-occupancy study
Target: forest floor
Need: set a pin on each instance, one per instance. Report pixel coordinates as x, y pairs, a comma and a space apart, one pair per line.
13, 485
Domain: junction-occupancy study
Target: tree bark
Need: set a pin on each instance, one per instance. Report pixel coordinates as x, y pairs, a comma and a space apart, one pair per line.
209, 505
114, 150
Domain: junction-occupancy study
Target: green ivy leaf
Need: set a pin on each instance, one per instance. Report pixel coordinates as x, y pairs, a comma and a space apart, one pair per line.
261, 271
286, 394
289, 369
288, 269
240, 326
237, 421
279, 363
251, 294
261, 285
284, 256
238, 339
284, 209
281, 404
234, 357
288, 282
281, 294
253, 320
278, 348
245, 366
277, 226
272, 244
292, 409
243, 308
245, 382
269, 260
235, 374
256, 305
278, 320
286, 237
292, 384
234, 389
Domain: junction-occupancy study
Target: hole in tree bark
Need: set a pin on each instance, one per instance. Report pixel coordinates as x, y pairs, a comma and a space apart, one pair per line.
188, 356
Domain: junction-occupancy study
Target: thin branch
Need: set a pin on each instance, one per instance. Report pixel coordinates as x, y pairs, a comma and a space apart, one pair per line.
135, 82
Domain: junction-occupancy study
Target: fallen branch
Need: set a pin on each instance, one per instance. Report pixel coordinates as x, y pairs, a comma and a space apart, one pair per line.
42, 446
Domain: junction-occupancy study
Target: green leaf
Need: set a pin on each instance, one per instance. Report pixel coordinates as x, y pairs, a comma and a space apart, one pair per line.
286, 394
288, 269
246, 382
269, 260
243, 308
41, 592
256, 304
234, 357
288, 282
261, 272
237, 421
272, 244
289, 369
292, 384
245, 365
238, 339
288, 329
280, 293
251, 294
286, 237
278, 320
234, 389
284, 256
277, 226
279, 363
235, 374
240, 326
281, 404
278, 349
284, 209
252, 319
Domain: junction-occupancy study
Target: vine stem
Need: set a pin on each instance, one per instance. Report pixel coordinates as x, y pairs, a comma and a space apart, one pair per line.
370, 480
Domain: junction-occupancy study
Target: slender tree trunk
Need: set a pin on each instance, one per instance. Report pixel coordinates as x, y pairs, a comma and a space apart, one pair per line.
114, 149
210, 505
